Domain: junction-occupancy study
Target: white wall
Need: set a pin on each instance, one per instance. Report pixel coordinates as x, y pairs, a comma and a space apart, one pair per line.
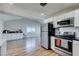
23, 24
70, 29
1, 28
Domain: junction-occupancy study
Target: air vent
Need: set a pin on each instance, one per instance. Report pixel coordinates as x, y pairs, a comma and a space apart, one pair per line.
43, 4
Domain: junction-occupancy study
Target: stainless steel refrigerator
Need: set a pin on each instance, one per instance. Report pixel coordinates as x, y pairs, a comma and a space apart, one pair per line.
47, 31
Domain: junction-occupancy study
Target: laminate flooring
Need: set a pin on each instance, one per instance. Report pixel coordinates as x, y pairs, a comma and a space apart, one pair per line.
28, 47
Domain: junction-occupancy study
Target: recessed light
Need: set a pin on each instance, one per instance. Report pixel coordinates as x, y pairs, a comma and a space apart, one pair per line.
42, 14
43, 4
10, 3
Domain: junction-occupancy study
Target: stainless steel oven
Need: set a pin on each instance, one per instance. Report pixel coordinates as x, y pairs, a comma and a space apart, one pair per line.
64, 45
64, 42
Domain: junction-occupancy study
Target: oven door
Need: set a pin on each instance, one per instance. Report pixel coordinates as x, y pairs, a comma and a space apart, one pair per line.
64, 44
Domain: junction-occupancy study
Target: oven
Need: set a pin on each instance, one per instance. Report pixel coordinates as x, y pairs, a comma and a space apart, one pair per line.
64, 44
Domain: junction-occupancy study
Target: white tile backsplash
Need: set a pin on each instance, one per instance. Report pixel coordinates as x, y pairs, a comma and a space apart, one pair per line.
70, 29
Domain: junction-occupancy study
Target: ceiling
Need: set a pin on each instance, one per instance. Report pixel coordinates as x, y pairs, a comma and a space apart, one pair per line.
33, 10
50, 8
7, 17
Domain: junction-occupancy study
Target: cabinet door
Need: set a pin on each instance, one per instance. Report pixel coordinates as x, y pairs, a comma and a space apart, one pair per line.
61, 17
76, 18
69, 14
4, 49
53, 43
55, 22
48, 20
75, 48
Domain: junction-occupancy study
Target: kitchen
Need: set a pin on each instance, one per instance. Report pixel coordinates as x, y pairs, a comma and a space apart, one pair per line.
65, 40
56, 35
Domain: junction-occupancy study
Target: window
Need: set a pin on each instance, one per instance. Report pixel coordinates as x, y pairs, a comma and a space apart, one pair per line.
30, 29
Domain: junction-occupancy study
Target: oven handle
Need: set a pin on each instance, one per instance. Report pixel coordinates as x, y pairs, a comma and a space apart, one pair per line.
69, 40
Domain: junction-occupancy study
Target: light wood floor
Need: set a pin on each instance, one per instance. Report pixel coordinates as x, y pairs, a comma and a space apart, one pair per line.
28, 47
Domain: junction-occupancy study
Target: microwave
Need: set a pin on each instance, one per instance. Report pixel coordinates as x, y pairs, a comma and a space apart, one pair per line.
66, 22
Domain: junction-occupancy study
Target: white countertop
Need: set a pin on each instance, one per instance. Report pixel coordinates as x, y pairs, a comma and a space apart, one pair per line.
2, 41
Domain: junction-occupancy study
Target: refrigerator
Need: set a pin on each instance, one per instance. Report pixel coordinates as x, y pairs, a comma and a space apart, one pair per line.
47, 31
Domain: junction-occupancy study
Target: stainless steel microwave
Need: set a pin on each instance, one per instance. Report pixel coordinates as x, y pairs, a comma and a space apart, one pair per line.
66, 22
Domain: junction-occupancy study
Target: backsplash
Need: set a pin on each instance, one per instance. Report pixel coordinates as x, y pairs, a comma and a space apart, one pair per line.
69, 29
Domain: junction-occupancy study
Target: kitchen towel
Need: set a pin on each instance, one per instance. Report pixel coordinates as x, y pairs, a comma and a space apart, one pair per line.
58, 42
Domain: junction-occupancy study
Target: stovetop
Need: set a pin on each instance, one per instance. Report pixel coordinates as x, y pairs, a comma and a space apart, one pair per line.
69, 37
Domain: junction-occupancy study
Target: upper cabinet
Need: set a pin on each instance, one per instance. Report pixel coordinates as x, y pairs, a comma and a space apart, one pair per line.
61, 17
69, 14
76, 18
72, 17
55, 19
48, 20
66, 15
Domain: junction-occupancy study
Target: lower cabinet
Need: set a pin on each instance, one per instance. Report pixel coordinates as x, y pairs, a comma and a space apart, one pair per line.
3, 49
75, 48
52, 43
13, 36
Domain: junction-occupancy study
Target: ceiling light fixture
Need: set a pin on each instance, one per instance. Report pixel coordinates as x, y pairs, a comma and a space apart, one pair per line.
10, 3
42, 14
43, 4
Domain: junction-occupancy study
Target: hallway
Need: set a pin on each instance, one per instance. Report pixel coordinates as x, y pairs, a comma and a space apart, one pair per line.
28, 47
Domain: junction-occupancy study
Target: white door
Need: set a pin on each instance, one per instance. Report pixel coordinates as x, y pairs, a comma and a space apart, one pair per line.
44, 40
